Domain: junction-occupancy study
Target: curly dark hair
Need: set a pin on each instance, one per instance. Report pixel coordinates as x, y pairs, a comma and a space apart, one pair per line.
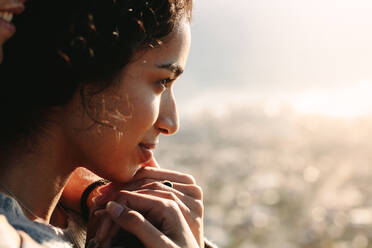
62, 45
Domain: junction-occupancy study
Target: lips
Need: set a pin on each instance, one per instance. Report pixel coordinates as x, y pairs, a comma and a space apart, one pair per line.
146, 151
148, 145
14, 10
7, 29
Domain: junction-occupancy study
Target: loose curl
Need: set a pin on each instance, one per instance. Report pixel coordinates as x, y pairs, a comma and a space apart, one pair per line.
62, 45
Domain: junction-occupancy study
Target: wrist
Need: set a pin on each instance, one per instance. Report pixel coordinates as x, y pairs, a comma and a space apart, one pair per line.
73, 190
86, 200
94, 193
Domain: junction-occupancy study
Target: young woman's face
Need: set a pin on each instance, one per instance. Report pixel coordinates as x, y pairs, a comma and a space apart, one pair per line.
7, 9
139, 107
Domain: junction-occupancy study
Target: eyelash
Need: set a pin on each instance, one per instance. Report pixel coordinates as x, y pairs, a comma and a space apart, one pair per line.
165, 83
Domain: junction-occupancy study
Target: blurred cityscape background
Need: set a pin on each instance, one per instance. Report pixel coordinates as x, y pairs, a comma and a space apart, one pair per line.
276, 122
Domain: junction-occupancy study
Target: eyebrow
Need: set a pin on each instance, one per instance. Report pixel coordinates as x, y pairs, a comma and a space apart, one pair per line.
173, 67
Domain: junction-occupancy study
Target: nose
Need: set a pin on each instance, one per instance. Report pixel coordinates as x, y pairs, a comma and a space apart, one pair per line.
167, 121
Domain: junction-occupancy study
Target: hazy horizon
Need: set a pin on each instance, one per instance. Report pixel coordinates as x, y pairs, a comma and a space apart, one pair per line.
281, 51
276, 120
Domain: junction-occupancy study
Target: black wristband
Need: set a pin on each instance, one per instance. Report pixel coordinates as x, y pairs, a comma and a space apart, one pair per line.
84, 197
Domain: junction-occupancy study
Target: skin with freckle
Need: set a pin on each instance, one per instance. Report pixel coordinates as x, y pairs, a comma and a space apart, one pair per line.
136, 108
97, 92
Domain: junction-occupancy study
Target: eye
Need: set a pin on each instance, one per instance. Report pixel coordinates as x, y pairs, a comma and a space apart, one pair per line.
164, 83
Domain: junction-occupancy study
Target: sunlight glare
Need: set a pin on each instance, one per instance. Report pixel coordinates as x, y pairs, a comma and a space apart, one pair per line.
345, 102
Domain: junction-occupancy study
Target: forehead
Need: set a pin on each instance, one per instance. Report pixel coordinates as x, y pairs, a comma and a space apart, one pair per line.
174, 48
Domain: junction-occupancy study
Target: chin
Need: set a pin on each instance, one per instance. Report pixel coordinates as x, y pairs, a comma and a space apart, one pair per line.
124, 175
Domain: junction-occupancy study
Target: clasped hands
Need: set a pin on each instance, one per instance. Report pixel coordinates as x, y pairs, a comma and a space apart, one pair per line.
158, 215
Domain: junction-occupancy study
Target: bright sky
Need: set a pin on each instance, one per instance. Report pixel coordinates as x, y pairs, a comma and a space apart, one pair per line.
316, 55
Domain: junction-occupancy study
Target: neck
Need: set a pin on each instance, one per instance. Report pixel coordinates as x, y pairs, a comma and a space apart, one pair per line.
36, 179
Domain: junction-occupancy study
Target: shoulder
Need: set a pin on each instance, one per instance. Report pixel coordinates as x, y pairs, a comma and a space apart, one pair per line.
8, 235
46, 235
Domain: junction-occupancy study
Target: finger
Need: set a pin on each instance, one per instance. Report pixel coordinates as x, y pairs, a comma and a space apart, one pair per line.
163, 213
191, 209
102, 199
113, 231
191, 190
189, 206
100, 213
147, 175
163, 174
151, 163
103, 229
171, 196
146, 204
105, 236
135, 223
106, 243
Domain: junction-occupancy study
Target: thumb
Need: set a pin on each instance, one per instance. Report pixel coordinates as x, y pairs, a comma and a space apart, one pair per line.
134, 222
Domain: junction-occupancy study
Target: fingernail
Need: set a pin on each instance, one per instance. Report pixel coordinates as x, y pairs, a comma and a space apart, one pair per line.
114, 209
100, 212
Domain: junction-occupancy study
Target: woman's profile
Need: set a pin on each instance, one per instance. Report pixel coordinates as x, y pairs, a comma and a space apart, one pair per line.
89, 83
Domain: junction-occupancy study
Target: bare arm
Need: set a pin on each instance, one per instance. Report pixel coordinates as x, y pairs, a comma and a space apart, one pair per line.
80, 179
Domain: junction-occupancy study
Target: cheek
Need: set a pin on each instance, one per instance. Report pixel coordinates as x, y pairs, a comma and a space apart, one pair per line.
128, 113
138, 99
128, 123
107, 153
146, 111
119, 152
